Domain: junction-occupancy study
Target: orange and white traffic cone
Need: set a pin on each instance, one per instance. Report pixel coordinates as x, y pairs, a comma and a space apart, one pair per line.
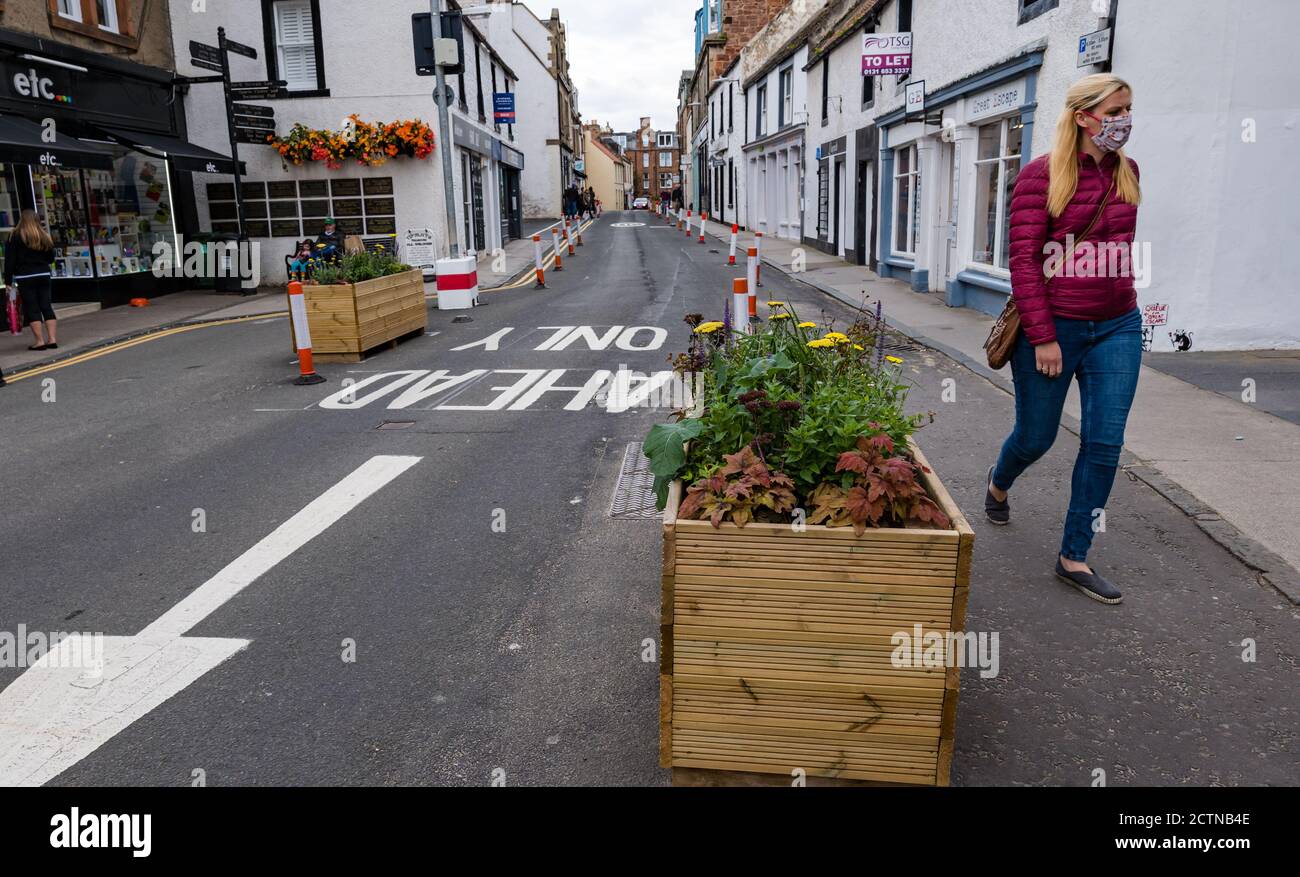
302, 336
568, 239
751, 271
555, 245
731, 257
537, 262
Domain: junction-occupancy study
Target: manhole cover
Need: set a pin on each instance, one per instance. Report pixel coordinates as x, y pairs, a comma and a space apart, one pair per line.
396, 424
634, 495
627, 225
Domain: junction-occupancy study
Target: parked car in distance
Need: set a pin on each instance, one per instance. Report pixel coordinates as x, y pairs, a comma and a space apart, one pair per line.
642, 203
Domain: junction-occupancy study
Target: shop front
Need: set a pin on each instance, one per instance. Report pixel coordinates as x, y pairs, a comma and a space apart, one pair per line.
945, 188
94, 145
510, 162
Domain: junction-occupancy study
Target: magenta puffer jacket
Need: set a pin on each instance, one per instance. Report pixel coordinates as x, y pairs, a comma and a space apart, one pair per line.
1086, 286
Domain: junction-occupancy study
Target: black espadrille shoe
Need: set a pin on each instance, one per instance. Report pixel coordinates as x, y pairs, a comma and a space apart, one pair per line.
997, 511
1089, 583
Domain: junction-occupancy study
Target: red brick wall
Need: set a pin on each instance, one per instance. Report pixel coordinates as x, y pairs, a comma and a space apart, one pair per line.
741, 19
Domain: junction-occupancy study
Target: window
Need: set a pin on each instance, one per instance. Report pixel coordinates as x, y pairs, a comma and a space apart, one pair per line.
907, 200
869, 82
715, 16
997, 165
904, 24
731, 106
760, 112
1031, 9
495, 125
786, 85
665, 159
645, 159
296, 39
106, 11
70, 9
478, 79
826, 89
731, 182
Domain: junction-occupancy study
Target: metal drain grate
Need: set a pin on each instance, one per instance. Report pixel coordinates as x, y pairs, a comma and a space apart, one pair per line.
634, 495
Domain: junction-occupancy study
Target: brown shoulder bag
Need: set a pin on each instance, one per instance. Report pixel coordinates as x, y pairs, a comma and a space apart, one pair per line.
1006, 328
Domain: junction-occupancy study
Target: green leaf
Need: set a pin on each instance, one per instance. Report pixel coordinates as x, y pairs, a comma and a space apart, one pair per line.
663, 445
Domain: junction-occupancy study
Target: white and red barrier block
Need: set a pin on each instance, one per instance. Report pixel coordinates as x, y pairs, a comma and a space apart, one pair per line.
731, 257
457, 283
740, 302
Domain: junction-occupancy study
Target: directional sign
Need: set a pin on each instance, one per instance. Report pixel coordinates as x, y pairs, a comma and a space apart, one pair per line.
206, 65
205, 52
253, 110
248, 135
254, 124
256, 94
90, 687
241, 49
260, 84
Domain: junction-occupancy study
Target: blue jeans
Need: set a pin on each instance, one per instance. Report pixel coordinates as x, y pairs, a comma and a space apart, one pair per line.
1104, 356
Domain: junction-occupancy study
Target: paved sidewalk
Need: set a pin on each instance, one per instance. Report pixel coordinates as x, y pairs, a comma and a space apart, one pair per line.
1233, 467
518, 255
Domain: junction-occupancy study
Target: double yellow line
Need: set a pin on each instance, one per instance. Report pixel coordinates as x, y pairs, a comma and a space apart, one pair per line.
96, 353
131, 342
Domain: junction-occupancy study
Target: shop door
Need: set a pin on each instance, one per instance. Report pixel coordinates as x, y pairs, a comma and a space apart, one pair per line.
476, 195
836, 243
503, 204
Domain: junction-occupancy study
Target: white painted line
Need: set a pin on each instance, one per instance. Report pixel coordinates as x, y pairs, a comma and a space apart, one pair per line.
61, 710
314, 519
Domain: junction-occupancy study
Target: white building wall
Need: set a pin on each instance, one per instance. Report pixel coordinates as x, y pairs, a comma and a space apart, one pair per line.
524, 42
366, 76
1218, 207
775, 169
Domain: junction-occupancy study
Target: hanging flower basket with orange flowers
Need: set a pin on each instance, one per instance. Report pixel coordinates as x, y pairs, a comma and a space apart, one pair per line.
367, 143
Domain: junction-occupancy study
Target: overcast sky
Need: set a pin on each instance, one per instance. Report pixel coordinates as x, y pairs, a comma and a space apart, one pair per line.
626, 56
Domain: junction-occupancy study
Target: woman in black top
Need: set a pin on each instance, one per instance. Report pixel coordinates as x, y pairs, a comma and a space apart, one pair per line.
28, 254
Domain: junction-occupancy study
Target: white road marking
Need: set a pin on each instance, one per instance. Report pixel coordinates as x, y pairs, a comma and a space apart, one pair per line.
56, 713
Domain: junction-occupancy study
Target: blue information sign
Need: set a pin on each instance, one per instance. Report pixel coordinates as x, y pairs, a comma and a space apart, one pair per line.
503, 107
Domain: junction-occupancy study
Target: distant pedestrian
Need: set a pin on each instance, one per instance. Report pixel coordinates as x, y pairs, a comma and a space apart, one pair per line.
1081, 322
28, 255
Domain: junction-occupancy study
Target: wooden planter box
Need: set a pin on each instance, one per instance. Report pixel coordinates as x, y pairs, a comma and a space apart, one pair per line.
776, 649
349, 319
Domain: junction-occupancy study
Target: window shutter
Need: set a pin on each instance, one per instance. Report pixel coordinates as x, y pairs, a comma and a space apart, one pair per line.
295, 41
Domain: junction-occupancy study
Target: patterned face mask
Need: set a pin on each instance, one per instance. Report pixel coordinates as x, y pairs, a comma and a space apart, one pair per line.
1114, 131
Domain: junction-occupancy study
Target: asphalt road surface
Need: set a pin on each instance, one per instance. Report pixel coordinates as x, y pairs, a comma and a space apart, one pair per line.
496, 613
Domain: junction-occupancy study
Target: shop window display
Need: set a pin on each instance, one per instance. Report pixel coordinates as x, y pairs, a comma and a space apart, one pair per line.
130, 212
61, 208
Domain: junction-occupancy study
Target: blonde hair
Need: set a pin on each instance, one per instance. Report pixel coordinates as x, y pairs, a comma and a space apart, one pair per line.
1064, 162
31, 233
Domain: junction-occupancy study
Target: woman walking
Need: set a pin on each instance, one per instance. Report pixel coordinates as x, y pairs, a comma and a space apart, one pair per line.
28, 255
1078, 312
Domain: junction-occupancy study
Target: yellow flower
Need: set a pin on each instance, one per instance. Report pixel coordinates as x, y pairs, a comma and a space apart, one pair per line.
894, 359
807, 325
858, 347
837, 337
776, 304
821, 342
706, 328
779, 317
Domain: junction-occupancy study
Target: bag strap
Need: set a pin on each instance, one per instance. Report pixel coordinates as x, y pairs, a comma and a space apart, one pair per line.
1087, 231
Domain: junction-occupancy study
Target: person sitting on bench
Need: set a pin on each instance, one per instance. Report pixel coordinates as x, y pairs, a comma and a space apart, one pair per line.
302, 260
329, 245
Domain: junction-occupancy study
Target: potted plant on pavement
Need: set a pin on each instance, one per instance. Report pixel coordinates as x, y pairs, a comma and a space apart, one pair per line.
362, 301
803, 530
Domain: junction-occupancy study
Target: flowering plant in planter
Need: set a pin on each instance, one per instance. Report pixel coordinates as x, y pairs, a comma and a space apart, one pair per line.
793, 415
358, 267
368, 143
